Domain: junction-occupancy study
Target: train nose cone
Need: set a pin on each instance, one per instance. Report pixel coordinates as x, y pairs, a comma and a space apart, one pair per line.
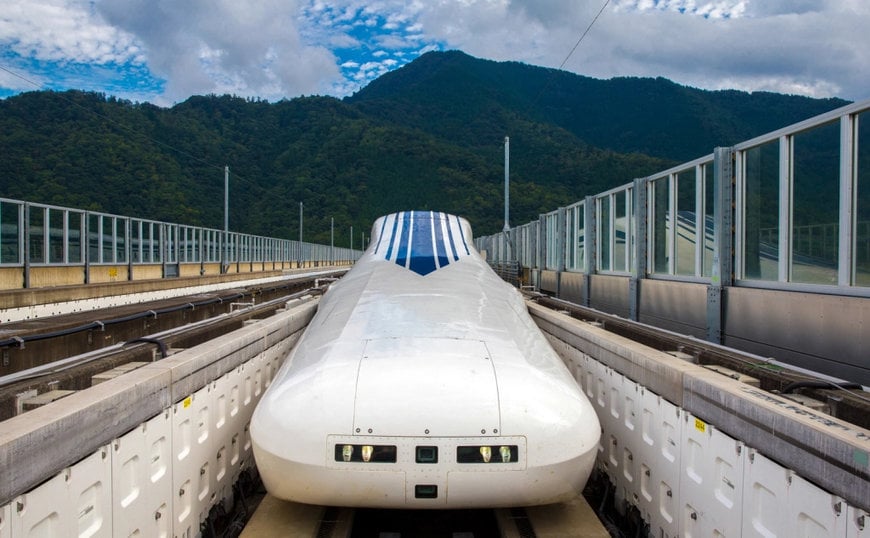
426, 386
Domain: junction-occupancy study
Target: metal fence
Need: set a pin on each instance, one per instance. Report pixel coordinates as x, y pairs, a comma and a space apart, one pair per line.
763, 246
800, 217
35, 236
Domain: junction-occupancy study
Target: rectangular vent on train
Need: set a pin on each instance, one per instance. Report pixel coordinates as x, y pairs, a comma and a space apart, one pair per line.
426, 491
427, 454
487, 454
366, 453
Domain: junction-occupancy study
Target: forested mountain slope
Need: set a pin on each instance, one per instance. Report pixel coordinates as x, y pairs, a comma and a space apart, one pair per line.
426, 136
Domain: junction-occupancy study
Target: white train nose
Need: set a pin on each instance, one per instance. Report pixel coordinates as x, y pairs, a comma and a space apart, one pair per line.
403, 386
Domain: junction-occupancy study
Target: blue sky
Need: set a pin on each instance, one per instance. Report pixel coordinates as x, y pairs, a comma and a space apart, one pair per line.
164, 51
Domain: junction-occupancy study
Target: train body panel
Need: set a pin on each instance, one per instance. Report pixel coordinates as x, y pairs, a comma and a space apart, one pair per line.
421, 355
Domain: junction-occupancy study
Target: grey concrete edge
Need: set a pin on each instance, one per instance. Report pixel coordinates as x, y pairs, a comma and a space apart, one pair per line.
656, 370
829, 452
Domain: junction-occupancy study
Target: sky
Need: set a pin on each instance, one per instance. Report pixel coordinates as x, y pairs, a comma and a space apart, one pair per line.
164, 51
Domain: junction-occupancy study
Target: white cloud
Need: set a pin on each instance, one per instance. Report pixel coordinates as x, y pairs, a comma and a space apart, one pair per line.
63, 30
816, 48
224, 46
283, 48
718, 9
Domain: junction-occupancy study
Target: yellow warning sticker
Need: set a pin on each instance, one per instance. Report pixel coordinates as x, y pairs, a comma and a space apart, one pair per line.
700, 425
189, 399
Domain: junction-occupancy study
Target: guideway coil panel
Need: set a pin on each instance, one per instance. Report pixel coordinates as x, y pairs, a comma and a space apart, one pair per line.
158, 477
686, 473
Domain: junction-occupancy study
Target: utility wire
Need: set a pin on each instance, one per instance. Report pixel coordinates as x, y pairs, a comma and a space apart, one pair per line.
591, 24
573, 49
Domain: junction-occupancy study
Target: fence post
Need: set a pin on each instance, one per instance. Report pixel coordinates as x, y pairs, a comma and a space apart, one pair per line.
590, 244
638, 272
723, 247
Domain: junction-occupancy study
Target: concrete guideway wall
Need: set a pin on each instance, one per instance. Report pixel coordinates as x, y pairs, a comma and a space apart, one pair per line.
699, 453
150, 451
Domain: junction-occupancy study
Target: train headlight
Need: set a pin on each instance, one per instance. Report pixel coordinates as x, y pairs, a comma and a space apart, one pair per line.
483, 454
365, 453
505, 453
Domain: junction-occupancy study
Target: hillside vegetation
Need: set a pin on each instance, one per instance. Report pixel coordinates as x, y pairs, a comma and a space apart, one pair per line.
426, 136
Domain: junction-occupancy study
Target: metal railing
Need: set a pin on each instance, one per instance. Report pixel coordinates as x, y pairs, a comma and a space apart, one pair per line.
763, 246
35, 237
800, 219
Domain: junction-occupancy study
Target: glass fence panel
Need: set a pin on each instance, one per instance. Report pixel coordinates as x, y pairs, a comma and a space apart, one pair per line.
120, 240
552, 221
686, 222
708, 213
577, 246
815, 213
75, 247
605, 234
659, 225
570, 232
56, 228
147, 242
136, 241
761, 212
862, 215
581, 237
107, 239
93, 230
37, 234
621, 225
170, 245
10, 232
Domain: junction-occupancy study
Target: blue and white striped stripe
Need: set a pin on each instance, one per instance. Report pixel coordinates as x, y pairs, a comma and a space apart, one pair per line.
422, 241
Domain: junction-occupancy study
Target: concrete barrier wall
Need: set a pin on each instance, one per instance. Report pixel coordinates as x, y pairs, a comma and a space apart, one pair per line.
699, 453
149, 452
148, 272
57, 276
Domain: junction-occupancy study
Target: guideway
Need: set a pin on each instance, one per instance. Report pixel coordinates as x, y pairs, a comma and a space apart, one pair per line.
275, 518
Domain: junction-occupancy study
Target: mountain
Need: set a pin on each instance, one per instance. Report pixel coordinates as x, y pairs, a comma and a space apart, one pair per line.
449, 92
426, 136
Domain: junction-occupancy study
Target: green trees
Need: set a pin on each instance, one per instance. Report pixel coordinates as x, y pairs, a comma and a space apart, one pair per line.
426, 136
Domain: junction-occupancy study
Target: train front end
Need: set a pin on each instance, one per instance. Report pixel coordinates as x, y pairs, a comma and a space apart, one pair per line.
430, 390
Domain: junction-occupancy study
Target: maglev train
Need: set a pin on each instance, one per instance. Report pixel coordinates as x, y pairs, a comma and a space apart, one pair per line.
422, 382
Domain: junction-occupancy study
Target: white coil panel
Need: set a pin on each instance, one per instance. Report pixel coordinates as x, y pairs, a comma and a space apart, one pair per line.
711, 481
141, 481
75, 502
6, 521
221, 476
626, 398
687, 478
659, 457
857, 523
813, 511
765, 497
193, 459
